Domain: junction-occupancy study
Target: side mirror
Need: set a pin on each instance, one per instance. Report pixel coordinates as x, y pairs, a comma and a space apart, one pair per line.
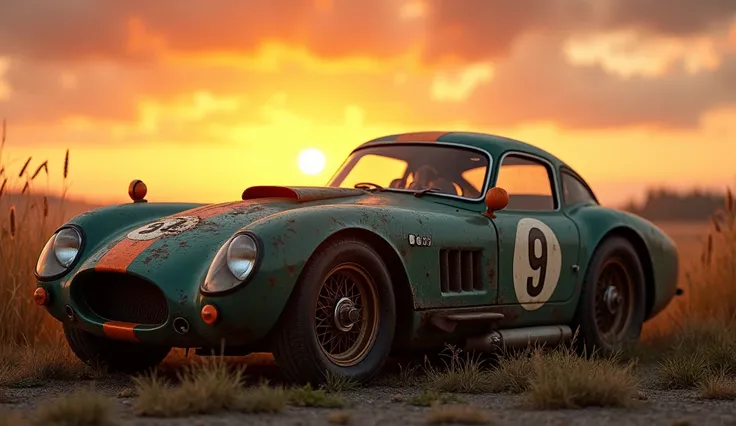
496, 199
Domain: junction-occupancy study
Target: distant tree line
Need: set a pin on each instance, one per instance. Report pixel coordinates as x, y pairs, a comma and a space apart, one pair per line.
665, 204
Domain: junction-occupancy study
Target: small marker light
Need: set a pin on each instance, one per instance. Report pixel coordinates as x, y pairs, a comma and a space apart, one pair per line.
137, 191
40, 296
209, 314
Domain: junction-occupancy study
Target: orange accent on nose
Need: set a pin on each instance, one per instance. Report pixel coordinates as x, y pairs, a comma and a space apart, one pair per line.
420, 137
117, 330
122, 255
209, 314
40, 296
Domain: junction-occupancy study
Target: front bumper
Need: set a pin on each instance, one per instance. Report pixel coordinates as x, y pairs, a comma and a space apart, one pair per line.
126, 306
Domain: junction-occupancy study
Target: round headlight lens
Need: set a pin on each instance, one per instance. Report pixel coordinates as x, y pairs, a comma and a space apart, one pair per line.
66, 246
241, 256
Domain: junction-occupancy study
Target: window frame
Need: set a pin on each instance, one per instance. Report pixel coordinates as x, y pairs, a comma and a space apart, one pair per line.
551, 175
573, 174
483, 152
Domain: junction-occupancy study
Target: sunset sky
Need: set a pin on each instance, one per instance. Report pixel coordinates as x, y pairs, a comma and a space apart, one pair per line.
201, 99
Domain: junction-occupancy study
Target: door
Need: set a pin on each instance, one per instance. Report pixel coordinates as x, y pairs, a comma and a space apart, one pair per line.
538, 243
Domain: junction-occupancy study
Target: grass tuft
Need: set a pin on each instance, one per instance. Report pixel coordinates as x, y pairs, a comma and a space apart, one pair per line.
335, 383
31, 366
459, 375
514, 372
562, 379
317, 398
697, 350
204, 388
719, 387
80, 408
261, 399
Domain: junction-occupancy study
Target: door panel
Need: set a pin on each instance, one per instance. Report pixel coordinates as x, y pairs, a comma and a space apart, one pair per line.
458, 268
538, 252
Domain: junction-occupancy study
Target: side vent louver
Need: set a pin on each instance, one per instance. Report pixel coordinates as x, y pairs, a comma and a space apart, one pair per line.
460, 270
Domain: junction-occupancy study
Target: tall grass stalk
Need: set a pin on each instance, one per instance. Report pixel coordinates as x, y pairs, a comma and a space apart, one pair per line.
26, 222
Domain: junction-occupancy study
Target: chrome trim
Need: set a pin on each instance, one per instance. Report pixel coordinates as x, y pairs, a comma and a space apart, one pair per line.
551, 168
481, 151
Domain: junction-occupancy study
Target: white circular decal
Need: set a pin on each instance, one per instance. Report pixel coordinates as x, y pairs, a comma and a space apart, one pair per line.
164, 228
537, 263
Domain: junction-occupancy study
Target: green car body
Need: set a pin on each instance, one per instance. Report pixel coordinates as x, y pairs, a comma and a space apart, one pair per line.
419, 238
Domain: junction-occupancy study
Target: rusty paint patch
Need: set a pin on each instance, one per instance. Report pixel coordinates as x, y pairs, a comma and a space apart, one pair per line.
183, 298
291, 269
118, 330
273, 281
277, 241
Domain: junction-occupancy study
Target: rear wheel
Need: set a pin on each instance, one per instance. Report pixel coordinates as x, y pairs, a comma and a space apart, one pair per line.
340, 318
119, 356
611, 310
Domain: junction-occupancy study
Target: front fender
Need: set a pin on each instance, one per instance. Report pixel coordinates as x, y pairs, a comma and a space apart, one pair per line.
288, 241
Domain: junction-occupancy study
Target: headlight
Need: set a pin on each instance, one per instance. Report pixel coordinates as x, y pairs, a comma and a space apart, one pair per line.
233, 265
60, 253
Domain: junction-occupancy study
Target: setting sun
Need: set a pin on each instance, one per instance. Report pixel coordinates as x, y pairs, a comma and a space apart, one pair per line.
311, 161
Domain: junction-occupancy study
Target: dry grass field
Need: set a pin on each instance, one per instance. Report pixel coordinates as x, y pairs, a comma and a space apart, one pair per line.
682, 373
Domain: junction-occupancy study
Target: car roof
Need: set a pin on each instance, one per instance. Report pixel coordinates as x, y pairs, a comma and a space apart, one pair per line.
495, 145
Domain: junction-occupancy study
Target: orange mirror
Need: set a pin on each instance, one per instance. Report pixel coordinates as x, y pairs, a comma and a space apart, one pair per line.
496, 199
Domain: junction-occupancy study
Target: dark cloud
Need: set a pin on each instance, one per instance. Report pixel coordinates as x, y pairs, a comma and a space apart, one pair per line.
488, 29
469, 29
671, 17
537, 83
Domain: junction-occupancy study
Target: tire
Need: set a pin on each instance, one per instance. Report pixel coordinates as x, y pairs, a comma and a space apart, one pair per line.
117, 356
605, 323
318, 302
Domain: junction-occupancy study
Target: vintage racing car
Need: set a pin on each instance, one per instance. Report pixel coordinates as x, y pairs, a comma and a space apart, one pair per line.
419, 240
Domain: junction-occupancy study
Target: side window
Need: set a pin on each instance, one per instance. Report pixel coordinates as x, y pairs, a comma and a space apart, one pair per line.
574, 191
528, 183
476, 177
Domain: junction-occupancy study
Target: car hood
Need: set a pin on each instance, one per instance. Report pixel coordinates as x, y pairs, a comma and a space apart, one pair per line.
179, 247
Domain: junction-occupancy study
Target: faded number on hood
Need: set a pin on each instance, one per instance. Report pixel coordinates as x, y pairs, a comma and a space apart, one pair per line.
164, 228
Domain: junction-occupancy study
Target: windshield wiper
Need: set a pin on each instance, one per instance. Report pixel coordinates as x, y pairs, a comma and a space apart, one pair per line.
426, 190
368, 186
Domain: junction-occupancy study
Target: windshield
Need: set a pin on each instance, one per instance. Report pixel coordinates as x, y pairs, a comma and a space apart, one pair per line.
447, 170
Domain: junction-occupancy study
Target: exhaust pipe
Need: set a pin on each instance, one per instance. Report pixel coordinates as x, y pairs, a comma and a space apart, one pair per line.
519, 337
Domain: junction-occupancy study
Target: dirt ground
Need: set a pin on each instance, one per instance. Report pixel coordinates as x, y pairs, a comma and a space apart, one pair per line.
377, 405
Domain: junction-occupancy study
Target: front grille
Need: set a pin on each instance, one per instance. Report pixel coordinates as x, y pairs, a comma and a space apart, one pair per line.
121, 297
460, 270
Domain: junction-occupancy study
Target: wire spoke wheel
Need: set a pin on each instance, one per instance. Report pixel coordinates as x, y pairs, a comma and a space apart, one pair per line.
614, 301
346, 314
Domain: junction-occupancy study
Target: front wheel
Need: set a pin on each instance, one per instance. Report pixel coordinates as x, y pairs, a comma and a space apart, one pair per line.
118, 356
340, 318
612, 305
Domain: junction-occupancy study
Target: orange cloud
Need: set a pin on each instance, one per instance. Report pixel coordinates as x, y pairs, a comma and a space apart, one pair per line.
483, 62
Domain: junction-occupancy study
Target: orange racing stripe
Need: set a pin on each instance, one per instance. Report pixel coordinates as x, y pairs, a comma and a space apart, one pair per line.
118, 258
118, 330
420, 137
